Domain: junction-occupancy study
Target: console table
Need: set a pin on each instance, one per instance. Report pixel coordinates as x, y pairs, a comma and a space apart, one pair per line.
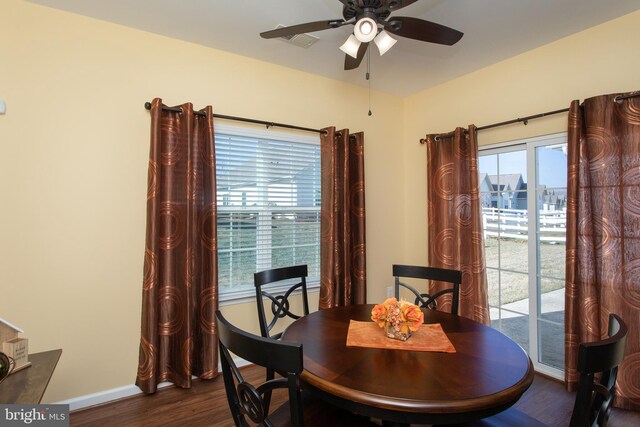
29, 384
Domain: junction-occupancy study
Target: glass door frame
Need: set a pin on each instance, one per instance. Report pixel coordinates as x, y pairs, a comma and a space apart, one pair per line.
529, 145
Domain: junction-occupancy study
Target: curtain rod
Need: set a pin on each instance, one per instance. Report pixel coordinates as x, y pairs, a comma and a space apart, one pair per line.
524, 120
147, 105
618, 99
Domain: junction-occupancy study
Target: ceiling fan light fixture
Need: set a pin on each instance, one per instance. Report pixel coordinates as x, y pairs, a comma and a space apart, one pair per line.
351, 46
384, 42
369, 18
365, 29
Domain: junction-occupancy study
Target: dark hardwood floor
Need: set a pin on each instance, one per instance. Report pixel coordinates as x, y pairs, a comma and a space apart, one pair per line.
205, 404
548, 401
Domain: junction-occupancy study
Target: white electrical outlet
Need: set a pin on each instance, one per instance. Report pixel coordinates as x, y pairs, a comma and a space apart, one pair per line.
389, 291
3, 107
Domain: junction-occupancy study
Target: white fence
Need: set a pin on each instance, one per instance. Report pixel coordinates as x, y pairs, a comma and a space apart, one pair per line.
513, 224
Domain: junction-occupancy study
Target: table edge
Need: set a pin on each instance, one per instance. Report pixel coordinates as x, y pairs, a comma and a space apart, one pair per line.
505, 397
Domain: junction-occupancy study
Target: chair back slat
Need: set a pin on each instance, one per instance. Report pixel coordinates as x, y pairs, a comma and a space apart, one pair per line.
598, 367
246, 400
280, 304
425, 299
281, 356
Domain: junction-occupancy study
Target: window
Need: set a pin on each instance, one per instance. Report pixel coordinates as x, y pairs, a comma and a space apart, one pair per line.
268, 198
523, 189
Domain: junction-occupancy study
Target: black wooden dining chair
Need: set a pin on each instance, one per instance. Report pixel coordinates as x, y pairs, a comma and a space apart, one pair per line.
595, 395
280, 305
246, 400
424, 299
598, 367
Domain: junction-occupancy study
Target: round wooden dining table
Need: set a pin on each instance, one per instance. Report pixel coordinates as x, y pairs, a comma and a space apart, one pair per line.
487, 373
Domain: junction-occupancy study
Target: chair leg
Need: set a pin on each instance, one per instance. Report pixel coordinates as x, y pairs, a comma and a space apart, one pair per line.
267, 395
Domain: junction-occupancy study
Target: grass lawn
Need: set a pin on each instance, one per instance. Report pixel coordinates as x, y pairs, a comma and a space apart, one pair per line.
511, 282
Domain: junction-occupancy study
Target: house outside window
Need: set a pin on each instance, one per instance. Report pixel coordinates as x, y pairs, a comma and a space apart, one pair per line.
268, 200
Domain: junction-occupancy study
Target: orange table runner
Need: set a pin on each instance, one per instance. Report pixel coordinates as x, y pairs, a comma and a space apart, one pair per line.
429, 337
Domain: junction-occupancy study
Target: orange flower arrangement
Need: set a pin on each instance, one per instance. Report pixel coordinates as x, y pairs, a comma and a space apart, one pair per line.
398, 318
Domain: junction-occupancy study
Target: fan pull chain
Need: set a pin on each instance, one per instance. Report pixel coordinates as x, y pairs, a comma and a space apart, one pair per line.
368, 75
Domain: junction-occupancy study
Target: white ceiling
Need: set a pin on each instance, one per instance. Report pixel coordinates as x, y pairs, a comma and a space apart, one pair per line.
494, 30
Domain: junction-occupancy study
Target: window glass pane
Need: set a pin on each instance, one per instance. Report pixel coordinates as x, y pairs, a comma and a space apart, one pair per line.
493, 281
551, 165
514, 307
511, 181
268, 197
551, 203
551, 335
236, 248
295, 240
551, 298
514, 291
513, 240
491, 250
488, 166
515, 326
552, 259
503, 190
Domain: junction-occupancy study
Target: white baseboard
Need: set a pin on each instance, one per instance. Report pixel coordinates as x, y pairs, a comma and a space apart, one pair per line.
106, 396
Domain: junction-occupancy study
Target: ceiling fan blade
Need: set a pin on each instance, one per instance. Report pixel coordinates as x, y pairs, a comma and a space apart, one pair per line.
418, 29
309, 27
351, 63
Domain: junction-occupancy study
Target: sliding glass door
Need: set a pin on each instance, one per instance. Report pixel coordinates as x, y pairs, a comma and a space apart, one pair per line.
523, 190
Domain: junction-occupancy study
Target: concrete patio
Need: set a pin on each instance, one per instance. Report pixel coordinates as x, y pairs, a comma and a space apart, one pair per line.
515, 324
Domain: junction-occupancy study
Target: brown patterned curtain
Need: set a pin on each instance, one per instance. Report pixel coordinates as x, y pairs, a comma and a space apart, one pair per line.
456, 240
603, 233
180, 289
342, 249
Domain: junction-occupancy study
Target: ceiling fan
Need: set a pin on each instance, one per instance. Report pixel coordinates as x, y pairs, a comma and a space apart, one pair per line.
371, 20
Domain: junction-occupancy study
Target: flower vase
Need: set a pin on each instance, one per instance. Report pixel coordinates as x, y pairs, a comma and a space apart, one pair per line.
390, 332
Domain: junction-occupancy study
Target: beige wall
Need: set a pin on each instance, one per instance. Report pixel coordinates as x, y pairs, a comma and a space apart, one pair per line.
73, 170
75, 145
600, 60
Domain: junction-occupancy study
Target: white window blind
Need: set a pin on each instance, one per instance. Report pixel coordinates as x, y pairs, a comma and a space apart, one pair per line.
268, 198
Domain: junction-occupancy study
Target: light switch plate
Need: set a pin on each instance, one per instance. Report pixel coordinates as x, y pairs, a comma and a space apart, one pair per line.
3, 107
